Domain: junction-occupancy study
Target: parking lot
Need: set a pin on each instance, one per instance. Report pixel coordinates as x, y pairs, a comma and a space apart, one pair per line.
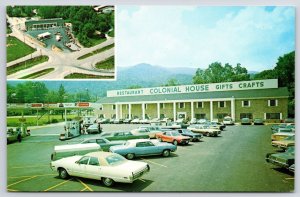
232, 162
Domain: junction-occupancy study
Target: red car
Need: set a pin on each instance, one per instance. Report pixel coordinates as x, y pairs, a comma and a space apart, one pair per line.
173, 136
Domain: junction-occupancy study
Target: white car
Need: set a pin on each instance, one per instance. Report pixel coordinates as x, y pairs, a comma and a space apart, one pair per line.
105, 166
228, 121
135, 121
204, 129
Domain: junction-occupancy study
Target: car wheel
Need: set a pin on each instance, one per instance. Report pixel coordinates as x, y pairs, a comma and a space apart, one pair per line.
63, 173
107, 181
175, 142
130, 156
166, 153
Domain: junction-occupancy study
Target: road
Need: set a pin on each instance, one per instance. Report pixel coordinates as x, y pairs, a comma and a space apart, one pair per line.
63, 63
233, 162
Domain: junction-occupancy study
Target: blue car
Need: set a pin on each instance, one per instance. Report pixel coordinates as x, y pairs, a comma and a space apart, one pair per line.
143, 147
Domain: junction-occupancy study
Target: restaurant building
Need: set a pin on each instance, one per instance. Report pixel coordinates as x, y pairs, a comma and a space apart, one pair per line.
252, 99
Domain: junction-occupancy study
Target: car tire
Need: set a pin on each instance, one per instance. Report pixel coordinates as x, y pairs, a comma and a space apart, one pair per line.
107, 181
63, 173
175, 142
130, 156
166, 153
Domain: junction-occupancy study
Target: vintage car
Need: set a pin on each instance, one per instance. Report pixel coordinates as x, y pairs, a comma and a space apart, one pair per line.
144, 121
127, 120
228, 120
215, 125
143, 147
89, 120
135, 121
122, 135
103, 121
104, 143
193, 121
275, 128
192, 135
12, 136
245, 121
105, 166
258, 121
204, 130
118, 121
145, 131
281, 135
285, 143
283, 160
173, 136
94, 129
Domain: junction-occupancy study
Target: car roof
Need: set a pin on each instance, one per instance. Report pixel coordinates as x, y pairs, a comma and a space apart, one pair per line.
138, 140
99, 154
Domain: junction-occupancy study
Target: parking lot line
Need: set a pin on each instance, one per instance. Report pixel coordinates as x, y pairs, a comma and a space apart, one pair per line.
56, 185
30, 166
21, 181
142, 180
154, 162
85, 185
15, 177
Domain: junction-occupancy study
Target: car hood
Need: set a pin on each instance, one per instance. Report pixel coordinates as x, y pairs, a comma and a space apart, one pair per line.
117, 142
182, 137
283, 156
117, 147
284, 142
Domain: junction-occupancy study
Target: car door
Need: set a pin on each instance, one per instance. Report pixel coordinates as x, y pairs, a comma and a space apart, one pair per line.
93, 169
145, 148
79, 167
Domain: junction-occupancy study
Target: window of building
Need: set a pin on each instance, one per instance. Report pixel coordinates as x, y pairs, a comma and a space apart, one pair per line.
181, 105
272, 102
221, 115
200, 104
113, 107
246, 115
200, 116
246, 103
162, 105
273, 115
221, 104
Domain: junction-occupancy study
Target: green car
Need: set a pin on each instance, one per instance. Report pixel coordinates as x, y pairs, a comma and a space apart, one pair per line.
283, 160
103, 142
246, 121
122, 135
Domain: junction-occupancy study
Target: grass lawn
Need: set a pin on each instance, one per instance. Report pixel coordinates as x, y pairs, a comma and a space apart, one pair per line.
38, 74
86, 76
111, 33
17, 49
107, 64
26, 64
96, 51
96, 40
32, 121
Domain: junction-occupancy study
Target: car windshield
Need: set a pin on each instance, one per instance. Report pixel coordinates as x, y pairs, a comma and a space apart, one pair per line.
175, 133
115, 159
187, 131
227, 119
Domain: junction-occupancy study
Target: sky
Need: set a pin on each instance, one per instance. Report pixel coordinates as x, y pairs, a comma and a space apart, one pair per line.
190, 36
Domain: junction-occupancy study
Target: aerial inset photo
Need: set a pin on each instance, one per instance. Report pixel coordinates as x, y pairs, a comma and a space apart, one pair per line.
60, 42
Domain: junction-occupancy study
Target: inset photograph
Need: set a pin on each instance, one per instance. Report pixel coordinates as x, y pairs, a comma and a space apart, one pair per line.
60, 42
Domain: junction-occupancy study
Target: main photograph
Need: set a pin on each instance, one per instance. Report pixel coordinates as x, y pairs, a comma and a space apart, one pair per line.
203, 102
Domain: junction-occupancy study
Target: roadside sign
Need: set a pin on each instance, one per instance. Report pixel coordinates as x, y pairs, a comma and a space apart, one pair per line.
83, 104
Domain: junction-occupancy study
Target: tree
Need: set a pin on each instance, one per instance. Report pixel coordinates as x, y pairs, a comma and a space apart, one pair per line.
134, 87
216, 73
61, 93
89, 29
172, 82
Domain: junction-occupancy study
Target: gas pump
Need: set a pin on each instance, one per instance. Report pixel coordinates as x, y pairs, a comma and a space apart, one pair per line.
72, 129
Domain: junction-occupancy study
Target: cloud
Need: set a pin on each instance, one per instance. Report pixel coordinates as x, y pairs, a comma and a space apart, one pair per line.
177, 36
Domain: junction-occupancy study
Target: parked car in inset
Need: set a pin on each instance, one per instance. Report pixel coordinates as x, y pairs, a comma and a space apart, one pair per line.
105, 166
281, 135
192, 135
246, 121
284, 143
143, 147
173, 136
258, 121
215, 125
122, 135
145, 131
144, 121
228, 120
104, 143
204, 130
94, 129
283, 160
